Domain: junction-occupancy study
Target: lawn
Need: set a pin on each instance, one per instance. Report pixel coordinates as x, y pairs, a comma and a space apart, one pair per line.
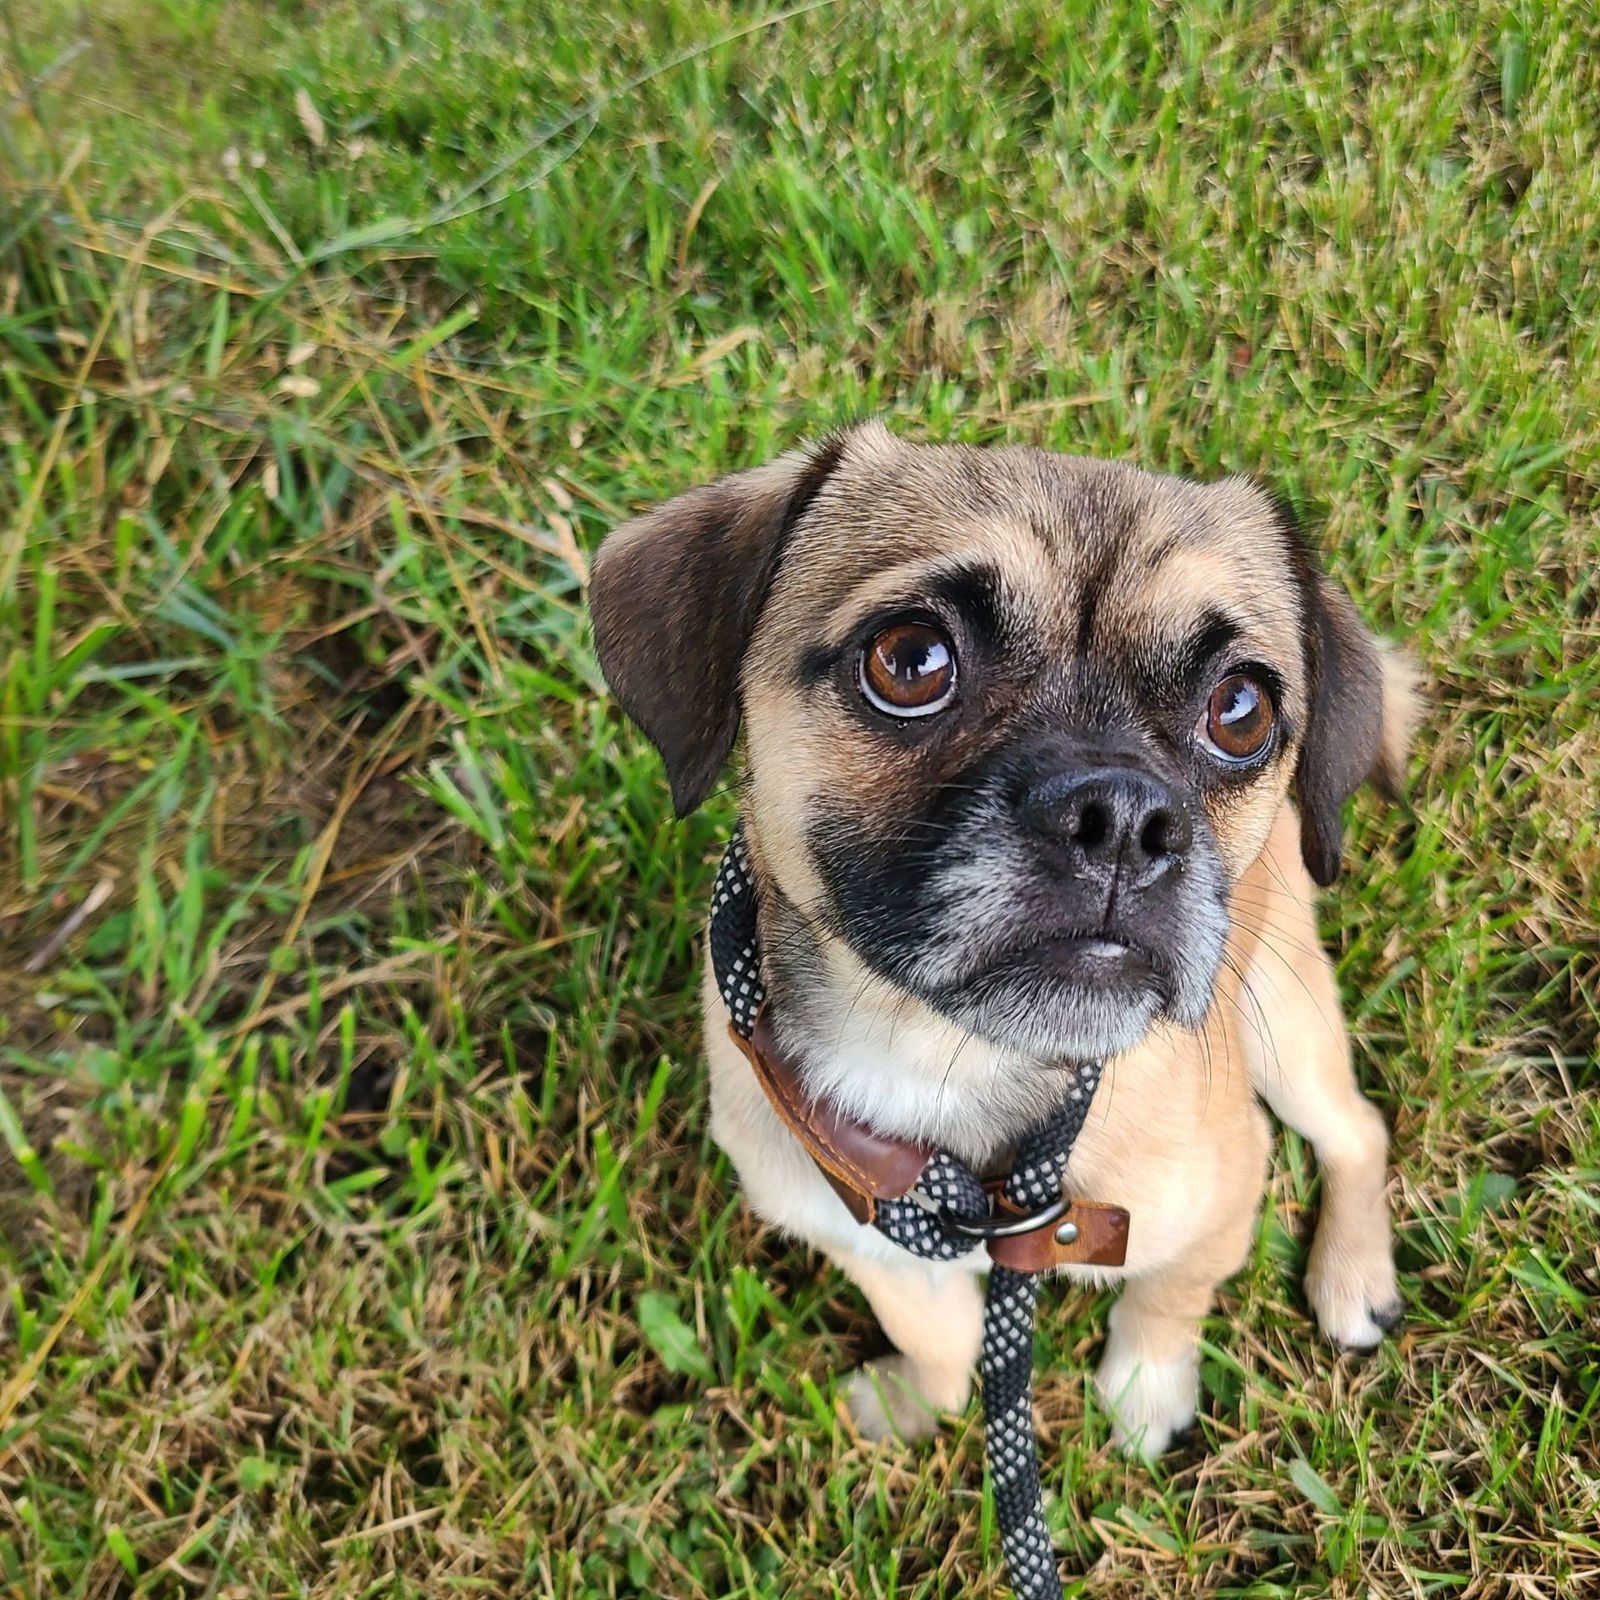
360, 1233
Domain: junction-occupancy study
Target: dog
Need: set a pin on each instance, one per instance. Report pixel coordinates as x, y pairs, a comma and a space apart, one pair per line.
1044, 758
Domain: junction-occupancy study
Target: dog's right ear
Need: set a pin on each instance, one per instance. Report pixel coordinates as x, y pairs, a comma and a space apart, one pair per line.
1364, 705
675, 595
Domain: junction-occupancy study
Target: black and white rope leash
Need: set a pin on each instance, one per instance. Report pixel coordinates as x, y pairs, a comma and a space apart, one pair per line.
927, 1223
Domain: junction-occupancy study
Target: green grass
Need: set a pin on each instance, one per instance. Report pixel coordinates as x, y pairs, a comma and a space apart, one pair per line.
361, 1232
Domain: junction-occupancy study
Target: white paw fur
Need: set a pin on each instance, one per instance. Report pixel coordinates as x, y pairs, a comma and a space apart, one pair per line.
1353, 1290
1150, 1402
885, 1403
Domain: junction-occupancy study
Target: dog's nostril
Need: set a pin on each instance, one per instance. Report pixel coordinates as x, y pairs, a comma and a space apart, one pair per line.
1166, 833
1093, 824
1155, 839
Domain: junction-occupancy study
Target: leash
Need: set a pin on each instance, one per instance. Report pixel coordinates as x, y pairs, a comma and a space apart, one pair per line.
940, 1212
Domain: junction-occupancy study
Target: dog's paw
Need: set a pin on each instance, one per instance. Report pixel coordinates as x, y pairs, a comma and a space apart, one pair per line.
1150, 1402
885, 1403
1353, 1293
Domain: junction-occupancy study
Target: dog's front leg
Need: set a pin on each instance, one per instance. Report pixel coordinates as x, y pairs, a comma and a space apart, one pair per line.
1149, 1376
1302, 1070
933, 1313
1298, 1054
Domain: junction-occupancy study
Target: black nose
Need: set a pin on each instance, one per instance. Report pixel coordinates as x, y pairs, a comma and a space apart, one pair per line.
1112, 818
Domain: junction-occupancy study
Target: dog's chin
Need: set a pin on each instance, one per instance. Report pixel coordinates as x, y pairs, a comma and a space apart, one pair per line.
1074, 998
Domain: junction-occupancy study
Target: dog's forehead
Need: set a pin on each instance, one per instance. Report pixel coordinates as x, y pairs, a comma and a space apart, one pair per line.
1070, 541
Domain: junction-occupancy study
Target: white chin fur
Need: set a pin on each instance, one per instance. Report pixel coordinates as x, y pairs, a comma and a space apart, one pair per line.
1066, 1026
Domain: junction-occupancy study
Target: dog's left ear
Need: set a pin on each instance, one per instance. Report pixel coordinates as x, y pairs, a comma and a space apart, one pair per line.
1363, 706
675, 595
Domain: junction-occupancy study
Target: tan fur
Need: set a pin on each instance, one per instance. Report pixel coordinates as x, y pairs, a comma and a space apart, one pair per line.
1176, 1133
1402, 710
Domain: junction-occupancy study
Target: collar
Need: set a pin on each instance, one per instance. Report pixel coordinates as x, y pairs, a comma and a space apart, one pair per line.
863, 1166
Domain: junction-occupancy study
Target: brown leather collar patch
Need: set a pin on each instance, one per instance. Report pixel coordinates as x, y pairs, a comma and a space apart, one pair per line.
1101, 1240
863, 1166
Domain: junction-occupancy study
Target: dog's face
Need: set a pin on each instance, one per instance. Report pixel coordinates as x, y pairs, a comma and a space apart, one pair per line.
1015, 722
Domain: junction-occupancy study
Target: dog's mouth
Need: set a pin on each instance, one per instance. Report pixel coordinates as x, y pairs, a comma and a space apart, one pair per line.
1102, 960
1090, 958
1083, 992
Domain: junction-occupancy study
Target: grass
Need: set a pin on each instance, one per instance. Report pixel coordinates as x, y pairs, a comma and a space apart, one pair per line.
361, 1233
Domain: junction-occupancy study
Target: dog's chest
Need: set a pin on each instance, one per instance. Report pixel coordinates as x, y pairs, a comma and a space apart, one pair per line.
1169, 1123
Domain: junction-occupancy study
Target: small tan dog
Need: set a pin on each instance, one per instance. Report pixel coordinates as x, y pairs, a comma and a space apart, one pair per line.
1022, 734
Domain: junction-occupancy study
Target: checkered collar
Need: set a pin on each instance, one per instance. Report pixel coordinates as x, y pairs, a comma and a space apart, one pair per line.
735, 948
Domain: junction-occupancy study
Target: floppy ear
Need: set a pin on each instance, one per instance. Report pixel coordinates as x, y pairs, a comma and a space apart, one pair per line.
1362, 708
675, 595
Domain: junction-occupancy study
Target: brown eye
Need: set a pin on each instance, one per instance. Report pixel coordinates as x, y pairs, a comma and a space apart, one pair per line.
1238, 721
909, 670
